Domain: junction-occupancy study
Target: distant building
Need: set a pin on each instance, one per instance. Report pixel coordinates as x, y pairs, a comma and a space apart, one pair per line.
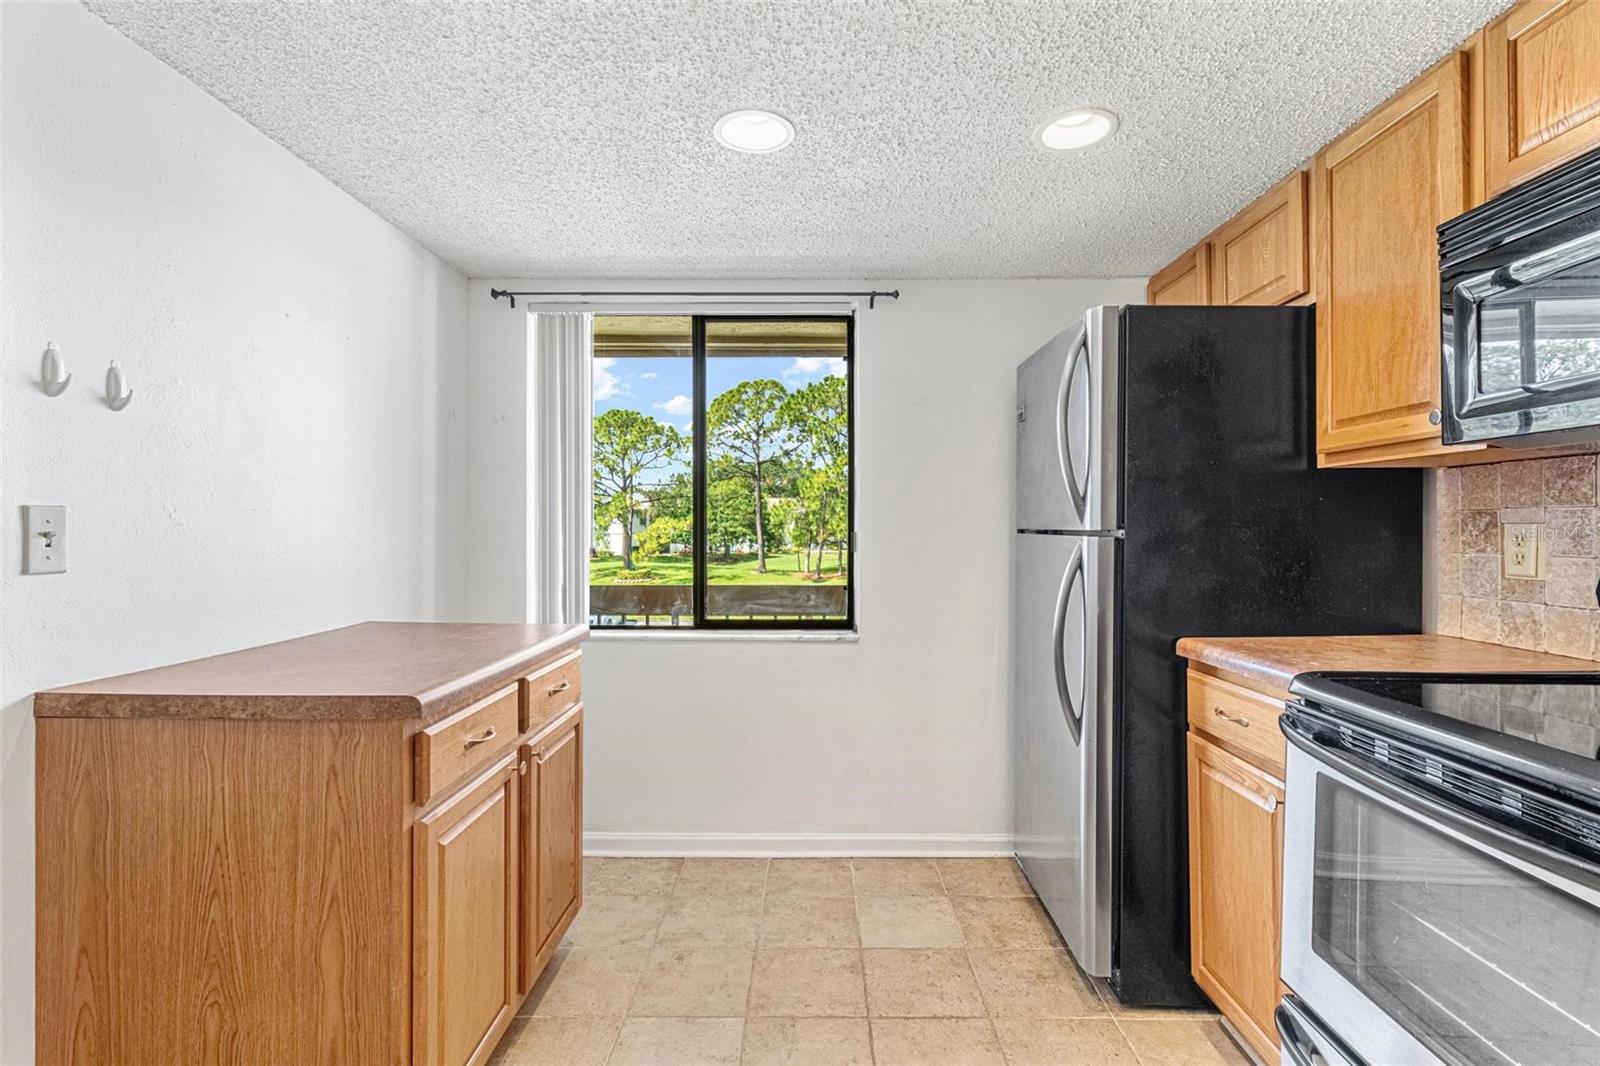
613, 540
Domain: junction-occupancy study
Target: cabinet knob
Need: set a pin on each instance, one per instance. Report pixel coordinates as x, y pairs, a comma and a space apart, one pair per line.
1434, 417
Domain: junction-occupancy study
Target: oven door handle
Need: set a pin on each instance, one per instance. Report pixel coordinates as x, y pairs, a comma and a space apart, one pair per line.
1487, 834
1305, 1041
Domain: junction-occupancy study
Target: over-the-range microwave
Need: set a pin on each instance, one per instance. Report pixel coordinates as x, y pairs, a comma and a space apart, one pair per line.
1519, 281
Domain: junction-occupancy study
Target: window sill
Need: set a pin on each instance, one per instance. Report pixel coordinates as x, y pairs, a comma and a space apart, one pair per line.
687, 635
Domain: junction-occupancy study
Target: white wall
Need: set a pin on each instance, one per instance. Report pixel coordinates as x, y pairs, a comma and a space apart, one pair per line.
279, 469
897, 742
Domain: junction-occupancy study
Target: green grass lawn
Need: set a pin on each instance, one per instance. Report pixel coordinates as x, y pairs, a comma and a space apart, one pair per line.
783, 568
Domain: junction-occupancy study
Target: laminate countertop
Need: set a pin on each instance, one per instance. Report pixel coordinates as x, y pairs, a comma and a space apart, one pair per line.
1274, 661
417, 670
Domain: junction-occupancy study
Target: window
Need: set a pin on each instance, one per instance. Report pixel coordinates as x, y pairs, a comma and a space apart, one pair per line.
723, 472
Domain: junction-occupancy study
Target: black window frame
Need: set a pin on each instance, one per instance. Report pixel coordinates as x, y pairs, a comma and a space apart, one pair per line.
699, 463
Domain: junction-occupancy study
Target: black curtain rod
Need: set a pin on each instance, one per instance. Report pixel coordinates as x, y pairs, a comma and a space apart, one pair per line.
872, 296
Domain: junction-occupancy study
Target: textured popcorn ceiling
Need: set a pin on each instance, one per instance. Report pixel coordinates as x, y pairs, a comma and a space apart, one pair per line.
574, 138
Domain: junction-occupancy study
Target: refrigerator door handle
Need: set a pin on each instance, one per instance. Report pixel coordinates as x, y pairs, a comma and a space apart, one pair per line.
1072, 712
1077, 492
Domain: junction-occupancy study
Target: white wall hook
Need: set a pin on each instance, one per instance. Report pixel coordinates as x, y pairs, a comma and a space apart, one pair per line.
52, 382
117, 392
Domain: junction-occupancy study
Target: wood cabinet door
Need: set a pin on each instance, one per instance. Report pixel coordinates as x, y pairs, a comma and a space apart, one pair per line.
553, 807
1541, 86
1235, 888
1378, 194
1259, 255
465, 921
1184, 281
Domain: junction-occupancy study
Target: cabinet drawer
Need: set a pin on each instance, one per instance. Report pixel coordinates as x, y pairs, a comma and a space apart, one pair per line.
554, 689
447, 751
1243, 720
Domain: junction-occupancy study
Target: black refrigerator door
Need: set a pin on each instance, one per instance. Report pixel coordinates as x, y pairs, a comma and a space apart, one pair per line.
1230, 531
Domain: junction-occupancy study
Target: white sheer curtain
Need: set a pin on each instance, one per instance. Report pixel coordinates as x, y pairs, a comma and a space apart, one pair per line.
559, 496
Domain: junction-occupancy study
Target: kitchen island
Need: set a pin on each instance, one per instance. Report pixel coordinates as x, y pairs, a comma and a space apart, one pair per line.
357, 846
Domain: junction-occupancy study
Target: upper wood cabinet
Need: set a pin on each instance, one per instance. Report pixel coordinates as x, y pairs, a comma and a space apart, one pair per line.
1186, 280
1377, 195
1235, 885
1541, 88
1256, 257
1259, 255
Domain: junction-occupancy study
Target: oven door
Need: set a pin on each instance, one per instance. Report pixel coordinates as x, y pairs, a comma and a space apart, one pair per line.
1421, 934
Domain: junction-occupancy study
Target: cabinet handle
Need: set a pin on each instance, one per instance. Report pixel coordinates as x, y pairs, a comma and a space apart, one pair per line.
1266, 801
1434, 417
553, 689
1240, 721
472, 742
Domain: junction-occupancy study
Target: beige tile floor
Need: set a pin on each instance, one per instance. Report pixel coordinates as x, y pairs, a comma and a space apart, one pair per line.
831, 962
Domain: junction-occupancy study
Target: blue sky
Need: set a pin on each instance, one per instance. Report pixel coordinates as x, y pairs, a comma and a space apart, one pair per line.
663, 387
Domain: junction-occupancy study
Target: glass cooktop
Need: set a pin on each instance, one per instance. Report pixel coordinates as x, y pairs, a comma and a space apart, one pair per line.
1559, 711
1542, 728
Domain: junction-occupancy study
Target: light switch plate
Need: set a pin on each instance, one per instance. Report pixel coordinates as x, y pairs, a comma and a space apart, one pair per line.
45, 550
1521, 554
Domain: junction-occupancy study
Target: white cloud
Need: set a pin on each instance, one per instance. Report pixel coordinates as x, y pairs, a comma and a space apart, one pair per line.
678, 405
607, 384
807, 366
649, 375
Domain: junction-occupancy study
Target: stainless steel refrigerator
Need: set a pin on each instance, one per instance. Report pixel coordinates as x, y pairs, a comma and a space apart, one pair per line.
1064, 606
1166, 486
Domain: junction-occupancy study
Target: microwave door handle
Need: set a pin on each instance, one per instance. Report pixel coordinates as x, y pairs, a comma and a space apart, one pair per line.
1487, 834
1562, 385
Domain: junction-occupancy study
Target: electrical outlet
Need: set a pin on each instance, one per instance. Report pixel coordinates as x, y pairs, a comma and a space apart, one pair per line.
1520, 554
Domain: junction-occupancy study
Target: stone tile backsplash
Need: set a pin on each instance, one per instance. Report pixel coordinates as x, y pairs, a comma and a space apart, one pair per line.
1557, 613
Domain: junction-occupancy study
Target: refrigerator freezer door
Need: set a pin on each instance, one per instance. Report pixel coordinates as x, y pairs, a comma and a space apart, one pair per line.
1061, 710
1066, 418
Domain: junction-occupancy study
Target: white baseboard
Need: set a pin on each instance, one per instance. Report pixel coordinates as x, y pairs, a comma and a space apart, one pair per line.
806, 845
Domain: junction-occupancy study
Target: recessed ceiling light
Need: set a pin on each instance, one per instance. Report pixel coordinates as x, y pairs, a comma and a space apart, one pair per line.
1076, 129
754, 131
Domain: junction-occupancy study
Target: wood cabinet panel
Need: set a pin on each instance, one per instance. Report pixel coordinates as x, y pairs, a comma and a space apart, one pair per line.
552, 796
213, 890
1260, 255
1184, 281
1378, 193
1235, 888
1541, 88
466, 900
